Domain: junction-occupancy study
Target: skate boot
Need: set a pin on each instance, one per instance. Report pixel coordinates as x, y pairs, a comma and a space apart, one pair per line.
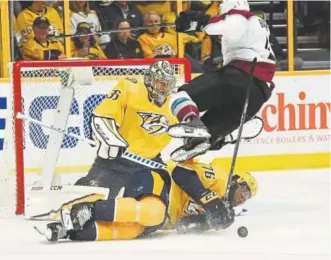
79, 214
193, 147
194, 127
56, 231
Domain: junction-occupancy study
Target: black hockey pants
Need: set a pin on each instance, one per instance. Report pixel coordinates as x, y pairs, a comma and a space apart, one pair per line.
221, 95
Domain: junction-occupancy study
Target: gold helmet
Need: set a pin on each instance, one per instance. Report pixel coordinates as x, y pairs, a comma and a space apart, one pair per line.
243, 187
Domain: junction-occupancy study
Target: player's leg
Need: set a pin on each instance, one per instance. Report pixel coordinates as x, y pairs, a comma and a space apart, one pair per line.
223, 117
145, 202
112, 174
223, 120
192, 98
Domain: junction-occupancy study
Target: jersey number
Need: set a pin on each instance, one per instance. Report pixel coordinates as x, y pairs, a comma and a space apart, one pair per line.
209, 173
114, 95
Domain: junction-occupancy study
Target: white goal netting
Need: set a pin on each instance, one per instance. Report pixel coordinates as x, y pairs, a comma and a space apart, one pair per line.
35, 92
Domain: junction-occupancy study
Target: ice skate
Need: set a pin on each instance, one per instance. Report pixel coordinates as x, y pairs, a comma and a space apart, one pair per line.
193, 128
54, 232
76, 218
192, 148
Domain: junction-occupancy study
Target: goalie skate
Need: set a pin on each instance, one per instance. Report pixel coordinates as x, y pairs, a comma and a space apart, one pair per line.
194, 128
193, 148
54, 232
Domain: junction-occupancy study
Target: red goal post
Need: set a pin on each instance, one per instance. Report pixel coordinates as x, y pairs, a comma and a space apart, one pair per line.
35, 92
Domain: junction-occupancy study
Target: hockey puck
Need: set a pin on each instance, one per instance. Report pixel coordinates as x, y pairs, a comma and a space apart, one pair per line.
242, 232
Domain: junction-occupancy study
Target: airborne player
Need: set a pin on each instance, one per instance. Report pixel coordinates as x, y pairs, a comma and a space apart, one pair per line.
144, 206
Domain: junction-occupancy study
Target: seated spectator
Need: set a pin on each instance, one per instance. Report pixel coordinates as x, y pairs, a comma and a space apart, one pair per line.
39, 48
122, 46
86, 46
119, 10
80, 12
160, 7
38, 9
156, 43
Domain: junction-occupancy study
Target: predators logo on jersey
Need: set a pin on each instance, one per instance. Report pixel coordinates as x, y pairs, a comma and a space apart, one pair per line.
153, 123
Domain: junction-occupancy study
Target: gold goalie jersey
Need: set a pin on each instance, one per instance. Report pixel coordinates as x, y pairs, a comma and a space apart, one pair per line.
212, 177
140, 122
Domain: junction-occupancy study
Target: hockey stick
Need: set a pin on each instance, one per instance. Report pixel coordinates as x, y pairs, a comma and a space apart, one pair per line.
111, 31
240, 129
126, 155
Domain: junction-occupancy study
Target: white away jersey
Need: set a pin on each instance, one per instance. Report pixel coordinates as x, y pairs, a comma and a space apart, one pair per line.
244, 36
90, 17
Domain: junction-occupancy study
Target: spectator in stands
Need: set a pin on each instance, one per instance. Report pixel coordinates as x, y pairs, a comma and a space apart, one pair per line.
86, 46
122, 46
160, 7
39, 48
80, 12
38, 9
156, 43
120, 10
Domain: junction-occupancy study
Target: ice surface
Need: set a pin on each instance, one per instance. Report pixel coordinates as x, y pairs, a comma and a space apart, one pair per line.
287, 220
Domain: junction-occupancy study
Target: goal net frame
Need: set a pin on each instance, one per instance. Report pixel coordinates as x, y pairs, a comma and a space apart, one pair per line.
18, 124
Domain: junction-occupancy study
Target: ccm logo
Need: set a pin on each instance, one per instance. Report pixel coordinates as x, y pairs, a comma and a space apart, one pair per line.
56, 187
39, 188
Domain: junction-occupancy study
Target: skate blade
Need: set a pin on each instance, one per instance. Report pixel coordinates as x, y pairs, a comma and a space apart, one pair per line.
181, 132
44, 233
182, 155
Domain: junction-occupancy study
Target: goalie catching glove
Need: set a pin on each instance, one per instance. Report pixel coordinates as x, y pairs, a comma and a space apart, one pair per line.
104, 132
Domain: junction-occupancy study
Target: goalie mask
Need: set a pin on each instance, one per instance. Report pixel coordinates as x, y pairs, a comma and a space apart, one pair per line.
243, 187
160, 81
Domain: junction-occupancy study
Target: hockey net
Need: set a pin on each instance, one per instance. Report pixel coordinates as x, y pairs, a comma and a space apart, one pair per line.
35, 92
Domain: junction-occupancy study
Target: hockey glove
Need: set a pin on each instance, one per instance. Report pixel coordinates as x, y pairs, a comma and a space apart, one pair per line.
183, 21
219, 215
192, 224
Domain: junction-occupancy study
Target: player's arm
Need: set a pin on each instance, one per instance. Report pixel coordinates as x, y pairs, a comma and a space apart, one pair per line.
105, 122
218, 214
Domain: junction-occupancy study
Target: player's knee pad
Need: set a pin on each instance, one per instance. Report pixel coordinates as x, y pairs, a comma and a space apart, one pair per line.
117, 231
152, 211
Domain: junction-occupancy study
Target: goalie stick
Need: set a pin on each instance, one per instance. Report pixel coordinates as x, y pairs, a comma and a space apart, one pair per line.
256, 128
127, 155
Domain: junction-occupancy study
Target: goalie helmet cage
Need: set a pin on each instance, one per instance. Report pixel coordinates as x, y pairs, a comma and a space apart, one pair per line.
35, 92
